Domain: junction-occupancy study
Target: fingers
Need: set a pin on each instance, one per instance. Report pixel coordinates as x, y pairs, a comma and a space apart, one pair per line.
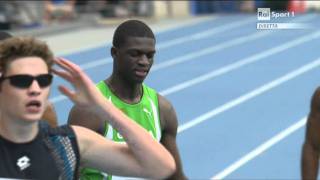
67, 65
74, 70
67, 92
84, 87
65, 75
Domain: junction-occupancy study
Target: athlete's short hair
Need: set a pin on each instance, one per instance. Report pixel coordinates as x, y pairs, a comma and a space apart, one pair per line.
20, 47
131, 28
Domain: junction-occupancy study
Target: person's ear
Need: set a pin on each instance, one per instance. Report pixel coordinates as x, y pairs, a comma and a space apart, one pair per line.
113, 52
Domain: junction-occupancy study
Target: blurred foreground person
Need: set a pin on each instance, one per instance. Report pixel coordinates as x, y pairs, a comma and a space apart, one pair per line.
49, 114
30, 152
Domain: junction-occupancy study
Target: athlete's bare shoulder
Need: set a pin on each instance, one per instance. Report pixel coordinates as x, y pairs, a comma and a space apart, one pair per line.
315, 102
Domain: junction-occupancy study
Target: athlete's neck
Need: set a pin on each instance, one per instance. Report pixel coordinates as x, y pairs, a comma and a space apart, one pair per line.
128, 92
18, 131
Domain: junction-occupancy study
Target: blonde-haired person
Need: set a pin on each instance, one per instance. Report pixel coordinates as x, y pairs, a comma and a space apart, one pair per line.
49, 114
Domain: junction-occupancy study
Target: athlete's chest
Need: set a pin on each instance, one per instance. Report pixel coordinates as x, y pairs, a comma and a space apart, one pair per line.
27, 161
145, 114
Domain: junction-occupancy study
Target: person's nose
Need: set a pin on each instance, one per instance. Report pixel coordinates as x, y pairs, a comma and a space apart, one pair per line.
34, 88
144, 60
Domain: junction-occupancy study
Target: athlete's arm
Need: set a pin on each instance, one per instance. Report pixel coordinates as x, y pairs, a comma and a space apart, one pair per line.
50, 116
169, 125
311, 146
82, 117
140, 156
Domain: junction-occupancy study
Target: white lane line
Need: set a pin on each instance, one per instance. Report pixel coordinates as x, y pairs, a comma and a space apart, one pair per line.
97, 63
209, 50
260, 149
58, 99
240, 63
204, 34
235, 102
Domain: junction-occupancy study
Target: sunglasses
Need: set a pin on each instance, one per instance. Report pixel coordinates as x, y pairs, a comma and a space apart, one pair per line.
24, 81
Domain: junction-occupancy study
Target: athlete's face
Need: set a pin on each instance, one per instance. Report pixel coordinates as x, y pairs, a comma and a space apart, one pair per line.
135, 58
20, 100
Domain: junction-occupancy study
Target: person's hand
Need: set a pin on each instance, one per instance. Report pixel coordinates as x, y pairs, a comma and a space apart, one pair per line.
85, 93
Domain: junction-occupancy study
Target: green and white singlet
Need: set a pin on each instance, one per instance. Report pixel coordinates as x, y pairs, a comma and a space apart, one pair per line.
145, 113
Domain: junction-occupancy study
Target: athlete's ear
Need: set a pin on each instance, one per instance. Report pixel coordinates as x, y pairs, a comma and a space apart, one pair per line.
113, 52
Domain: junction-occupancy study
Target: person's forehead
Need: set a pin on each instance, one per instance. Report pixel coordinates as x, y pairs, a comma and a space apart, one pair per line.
27, 65
139, 41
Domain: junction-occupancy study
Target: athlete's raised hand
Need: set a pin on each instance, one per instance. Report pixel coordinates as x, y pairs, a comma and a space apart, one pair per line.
85, 93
